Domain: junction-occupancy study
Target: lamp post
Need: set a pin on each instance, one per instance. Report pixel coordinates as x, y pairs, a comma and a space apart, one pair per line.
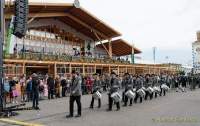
1, 53
154, 57
133, 54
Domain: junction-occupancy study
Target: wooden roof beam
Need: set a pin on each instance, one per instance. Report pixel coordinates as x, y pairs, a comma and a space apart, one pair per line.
87, 26
102, 44
39, 14
60, 14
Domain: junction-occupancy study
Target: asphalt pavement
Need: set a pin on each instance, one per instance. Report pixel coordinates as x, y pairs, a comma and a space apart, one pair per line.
174, 109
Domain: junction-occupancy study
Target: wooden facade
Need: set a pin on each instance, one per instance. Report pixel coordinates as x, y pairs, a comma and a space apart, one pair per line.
62, 38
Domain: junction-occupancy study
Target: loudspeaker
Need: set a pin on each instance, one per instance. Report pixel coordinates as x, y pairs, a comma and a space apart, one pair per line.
21, 18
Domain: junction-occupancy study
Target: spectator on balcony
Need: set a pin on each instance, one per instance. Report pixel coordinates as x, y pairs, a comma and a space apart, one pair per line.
23, 49
15, 50
89, 54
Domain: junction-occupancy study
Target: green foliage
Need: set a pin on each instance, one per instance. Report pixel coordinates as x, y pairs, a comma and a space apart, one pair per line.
182, 72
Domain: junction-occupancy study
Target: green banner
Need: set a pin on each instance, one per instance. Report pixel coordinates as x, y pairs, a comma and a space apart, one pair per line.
9, 36
133, 58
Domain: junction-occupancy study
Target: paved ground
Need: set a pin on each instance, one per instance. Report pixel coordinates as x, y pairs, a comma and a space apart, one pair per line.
175, 109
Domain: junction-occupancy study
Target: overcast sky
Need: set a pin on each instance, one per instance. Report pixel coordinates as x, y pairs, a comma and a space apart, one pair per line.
170, 25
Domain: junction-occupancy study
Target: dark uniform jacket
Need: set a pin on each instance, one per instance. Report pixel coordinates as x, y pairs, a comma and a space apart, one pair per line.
63, 83
96, 85
148, 82
127, 83
51, 83
138, 83
114, 85
35, 84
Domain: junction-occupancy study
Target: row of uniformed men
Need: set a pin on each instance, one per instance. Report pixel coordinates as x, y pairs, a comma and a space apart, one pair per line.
129, 83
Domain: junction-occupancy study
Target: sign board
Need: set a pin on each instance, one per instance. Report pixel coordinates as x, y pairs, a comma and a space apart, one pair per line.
196, 56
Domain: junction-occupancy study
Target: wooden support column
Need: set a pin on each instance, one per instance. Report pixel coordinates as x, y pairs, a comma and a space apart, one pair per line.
109, 69
144, 69
110, 48
23, 68
49, 67
134, 70
95, 68
149, 70
70, 68
117, 70
55, 70
83, 70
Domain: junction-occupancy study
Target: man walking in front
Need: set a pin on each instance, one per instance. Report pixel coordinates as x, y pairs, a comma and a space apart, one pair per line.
75, 94
35, 91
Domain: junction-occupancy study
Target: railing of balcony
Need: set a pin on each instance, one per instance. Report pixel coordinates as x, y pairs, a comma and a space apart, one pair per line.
62, 58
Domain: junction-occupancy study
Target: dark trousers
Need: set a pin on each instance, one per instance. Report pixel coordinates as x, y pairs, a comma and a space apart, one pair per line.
126, 99
148, 94
50, 93
63, 91
156, 94
110, 103
136, 97
29, 96
104, 88
92, 103
123, 96
168, 84
84, 89
71, 104
162, 92
35, 99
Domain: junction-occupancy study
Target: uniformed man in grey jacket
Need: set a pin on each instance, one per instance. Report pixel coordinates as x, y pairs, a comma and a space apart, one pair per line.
162, 81
156, 83
114, 87
75, 94
138, 85
96, 87
128, 85
148, 83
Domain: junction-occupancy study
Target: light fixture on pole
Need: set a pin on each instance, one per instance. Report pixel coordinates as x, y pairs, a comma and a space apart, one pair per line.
77, 3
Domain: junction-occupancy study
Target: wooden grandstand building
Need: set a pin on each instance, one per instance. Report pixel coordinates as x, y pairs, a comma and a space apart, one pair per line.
62, 38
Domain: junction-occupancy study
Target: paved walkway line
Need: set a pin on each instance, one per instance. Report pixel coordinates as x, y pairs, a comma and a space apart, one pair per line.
15, 122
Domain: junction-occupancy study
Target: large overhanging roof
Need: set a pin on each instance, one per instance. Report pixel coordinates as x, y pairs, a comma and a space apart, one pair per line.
120, 47
78, 18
